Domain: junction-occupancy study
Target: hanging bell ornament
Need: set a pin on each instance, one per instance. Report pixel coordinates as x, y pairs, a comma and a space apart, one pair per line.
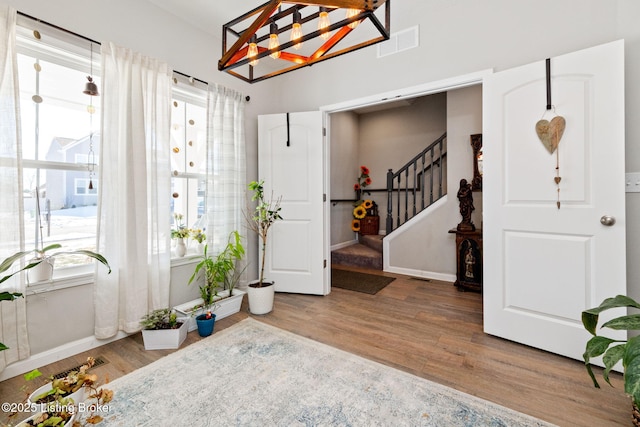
90, 88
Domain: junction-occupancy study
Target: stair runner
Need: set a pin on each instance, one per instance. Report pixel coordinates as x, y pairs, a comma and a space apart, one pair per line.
367, 253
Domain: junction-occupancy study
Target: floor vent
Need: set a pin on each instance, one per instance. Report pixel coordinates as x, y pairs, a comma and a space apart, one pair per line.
99, 361
422, 279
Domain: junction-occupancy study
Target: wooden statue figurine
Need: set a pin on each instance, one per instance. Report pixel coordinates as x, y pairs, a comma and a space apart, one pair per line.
465, 196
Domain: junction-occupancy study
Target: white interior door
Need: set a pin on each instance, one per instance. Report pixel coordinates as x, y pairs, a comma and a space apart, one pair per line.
290, 160
544, 265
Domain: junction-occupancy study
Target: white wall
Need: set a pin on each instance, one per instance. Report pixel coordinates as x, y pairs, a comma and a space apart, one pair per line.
344, 171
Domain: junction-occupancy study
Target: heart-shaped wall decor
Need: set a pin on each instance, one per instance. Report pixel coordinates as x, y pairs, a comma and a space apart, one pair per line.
550, 132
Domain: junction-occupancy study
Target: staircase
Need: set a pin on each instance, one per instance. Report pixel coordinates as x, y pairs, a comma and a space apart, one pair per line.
411, 189
366, 254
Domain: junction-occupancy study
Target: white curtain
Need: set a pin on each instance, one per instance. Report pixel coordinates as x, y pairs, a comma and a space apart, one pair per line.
226, 166
134, 190
13, 319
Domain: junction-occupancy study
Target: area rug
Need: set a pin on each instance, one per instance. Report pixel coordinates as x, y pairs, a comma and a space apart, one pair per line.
359, 282
253, 374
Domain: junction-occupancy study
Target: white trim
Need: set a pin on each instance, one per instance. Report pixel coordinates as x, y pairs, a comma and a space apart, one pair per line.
55, 355
422, 274
411, 92
343, 244
437, 86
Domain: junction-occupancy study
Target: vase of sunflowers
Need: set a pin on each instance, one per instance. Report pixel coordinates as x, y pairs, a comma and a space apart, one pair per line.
365, 212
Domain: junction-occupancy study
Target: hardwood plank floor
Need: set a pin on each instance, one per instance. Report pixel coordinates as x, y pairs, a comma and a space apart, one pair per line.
426, 328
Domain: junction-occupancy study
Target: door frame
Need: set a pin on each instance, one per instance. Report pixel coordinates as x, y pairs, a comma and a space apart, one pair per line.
410, 92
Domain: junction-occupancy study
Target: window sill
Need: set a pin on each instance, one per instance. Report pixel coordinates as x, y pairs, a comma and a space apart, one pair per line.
82, 276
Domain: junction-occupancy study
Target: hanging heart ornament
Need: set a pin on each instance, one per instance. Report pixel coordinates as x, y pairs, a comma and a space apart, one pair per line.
550, 132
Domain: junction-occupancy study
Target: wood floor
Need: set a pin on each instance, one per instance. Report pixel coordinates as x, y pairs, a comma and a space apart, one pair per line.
426, 328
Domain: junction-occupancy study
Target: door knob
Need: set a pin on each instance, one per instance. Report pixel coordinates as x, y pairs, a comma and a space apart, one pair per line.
607, 220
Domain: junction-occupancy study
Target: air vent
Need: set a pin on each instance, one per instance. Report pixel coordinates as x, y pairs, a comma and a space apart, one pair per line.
399, 42
99, 361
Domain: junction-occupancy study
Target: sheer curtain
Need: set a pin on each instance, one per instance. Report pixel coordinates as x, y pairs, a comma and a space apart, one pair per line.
226, 166
13, 319
134, 190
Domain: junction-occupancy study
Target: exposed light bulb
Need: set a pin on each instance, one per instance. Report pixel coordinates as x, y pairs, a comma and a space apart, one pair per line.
252, 52
273, 40
296, 34
323, 23
296, 30
274, 43
351, 13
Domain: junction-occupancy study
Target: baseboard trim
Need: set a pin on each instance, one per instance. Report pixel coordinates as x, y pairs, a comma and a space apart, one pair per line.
55, 354
343, 245
422, 274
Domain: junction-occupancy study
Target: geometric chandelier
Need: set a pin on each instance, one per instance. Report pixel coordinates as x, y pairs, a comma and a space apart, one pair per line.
284, 35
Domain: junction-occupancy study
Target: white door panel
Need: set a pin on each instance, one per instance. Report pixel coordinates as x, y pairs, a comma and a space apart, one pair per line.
544, 265
290, 160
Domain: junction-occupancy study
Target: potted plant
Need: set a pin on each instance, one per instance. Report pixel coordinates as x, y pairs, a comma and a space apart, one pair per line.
180, 232
161, 329
266, 213
7, 296
57, 413
74, 385
43, 257
222, 271
615, 350
58, 399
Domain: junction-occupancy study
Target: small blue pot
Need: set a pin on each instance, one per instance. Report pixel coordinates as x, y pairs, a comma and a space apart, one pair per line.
205, 326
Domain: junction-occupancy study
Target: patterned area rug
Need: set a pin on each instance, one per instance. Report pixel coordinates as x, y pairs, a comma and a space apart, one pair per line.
359, 282
253, 374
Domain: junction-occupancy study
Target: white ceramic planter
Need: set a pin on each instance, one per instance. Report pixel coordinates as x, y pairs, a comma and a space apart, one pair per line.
160, 339
41, 272
226, 306
261, 299
78, 396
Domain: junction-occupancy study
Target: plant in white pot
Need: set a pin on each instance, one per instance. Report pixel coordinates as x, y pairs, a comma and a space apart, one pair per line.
222, 271
162, 329
266, 213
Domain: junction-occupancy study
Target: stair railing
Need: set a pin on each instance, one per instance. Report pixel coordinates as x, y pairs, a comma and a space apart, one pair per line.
416, 185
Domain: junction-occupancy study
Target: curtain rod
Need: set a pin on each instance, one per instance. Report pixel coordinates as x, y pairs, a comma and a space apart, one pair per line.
91, 40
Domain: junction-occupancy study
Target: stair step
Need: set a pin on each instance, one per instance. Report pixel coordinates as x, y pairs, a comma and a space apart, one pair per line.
374, 241
358, 255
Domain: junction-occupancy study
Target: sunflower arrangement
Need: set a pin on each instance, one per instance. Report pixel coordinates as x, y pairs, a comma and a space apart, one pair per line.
359, 212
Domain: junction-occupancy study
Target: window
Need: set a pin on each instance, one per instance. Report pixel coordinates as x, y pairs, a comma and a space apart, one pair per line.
60, 128
188, 151
85, 186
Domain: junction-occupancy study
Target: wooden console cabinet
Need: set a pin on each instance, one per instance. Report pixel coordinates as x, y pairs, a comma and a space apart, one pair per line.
468, 260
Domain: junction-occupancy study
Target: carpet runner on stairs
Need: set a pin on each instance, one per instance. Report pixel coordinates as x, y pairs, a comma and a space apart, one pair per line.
366, 254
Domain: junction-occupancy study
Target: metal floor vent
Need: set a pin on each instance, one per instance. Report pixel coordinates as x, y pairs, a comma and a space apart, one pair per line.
99, 361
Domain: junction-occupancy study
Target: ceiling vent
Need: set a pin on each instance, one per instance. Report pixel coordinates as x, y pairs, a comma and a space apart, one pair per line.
399, 42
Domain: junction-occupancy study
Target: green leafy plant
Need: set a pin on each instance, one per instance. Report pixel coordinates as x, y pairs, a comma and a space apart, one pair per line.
162, 318
266, 213
222, 269
8, 296
41, 255
614, 351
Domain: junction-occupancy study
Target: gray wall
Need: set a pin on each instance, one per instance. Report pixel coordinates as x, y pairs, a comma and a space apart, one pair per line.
425, 247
